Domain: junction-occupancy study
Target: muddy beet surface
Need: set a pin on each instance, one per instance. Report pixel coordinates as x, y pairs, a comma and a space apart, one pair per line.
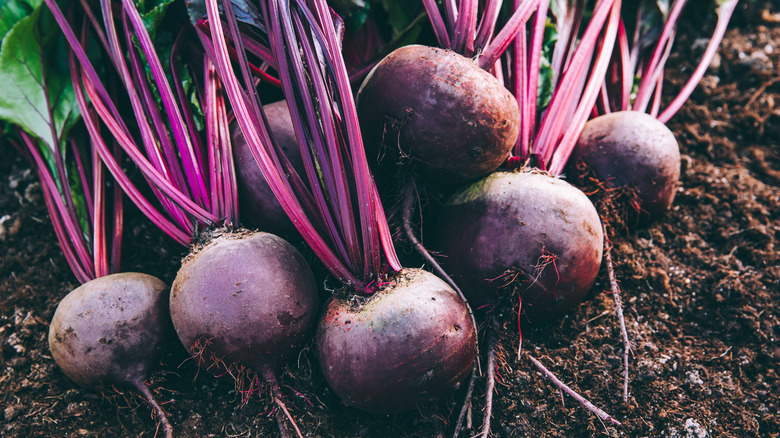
701, 289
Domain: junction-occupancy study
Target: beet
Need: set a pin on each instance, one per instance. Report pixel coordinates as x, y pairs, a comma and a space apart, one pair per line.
454, 120
259, 207
107, 332
525, 230
244, 300
635, 150
410, 342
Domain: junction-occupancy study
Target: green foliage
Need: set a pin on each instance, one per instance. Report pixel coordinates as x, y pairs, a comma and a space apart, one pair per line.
152, 12
354, 12
38, 95
544, 91
37, 91
401, 13
13, 11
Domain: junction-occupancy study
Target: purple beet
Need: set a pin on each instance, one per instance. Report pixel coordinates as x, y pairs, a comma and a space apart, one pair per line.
410, 342
245, 300
453, 121
523, 230
632, 149
107, 332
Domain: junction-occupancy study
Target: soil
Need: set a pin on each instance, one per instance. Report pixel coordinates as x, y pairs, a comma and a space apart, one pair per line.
701, 288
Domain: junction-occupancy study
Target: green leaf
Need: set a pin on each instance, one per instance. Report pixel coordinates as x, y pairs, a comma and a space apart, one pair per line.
401, 13
12, 11
37, 92
544, 91
354, 12
152, 13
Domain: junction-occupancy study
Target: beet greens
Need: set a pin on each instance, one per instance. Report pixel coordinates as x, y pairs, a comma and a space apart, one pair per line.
107, 332
193, 178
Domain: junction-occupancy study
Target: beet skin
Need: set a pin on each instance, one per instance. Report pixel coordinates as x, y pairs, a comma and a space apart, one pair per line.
632, 149
410, 342
107, 331
524, 232
455, 121
244, 300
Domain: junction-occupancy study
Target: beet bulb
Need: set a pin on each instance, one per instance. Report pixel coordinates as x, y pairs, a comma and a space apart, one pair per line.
635, 150
454, 121
523, 230
410, 342
107, 332
244, 300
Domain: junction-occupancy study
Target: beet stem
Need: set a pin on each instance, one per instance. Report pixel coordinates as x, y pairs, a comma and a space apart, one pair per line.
491, 375
582, 400
616, 294
276, 391
162, 417
410, 190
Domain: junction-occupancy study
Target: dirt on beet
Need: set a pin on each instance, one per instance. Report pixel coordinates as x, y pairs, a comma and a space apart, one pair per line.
701, 289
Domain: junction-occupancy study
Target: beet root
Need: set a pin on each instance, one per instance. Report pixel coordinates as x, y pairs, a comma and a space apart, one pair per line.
635, 150
454, 120
521, 231
410, 342
107, 332
245, 300
259, 206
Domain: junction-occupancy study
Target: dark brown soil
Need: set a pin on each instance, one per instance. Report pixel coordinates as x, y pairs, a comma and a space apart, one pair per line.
701, 289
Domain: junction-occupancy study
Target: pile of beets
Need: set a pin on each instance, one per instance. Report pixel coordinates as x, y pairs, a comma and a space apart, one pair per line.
471, 136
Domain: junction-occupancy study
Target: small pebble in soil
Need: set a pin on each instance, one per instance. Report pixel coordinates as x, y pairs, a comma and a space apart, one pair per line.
691, 429
12, 411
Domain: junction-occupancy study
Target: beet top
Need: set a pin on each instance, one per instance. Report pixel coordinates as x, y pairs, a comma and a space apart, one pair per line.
439, 109
524, 230
410, 342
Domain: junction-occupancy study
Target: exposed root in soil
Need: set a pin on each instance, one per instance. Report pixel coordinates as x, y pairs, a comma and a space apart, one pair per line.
616, 294
410, 194
582, 400
465, 410
282, 412
159, 413
491, 374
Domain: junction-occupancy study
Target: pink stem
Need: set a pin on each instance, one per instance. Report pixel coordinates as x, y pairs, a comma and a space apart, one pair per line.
505, 37
574, 129
724, 15
646, 85
437, 23
487, 24
185, 146
278, 185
